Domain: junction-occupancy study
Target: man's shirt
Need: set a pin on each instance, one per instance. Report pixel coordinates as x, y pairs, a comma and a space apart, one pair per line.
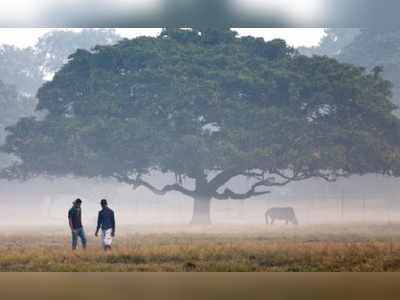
106, 219
74, 214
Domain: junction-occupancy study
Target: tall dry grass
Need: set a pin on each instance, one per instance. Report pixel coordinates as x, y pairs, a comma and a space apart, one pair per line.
352, 247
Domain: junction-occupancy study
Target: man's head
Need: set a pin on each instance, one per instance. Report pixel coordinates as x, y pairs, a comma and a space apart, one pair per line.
77, 202
103, 203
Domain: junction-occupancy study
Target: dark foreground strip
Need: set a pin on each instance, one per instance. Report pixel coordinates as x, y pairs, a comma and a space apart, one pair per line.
210, 286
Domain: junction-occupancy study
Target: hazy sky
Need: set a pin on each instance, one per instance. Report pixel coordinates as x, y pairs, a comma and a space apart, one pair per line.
23, 37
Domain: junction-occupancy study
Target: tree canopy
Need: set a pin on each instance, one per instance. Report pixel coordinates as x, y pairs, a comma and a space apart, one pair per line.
208, 106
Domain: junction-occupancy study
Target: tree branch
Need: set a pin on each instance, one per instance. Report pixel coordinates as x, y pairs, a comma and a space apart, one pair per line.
138, 182
223, 177
295, 177
330, 177
259, 175
229, 194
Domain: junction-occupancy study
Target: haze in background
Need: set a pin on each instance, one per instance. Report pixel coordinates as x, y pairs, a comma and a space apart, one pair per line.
189, 13
28, 37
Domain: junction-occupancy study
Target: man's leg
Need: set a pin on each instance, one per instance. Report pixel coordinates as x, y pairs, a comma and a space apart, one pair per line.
103, 238
107, 239
83, 238
74, 240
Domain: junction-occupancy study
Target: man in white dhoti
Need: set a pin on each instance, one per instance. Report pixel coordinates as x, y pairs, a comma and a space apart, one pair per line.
106, 222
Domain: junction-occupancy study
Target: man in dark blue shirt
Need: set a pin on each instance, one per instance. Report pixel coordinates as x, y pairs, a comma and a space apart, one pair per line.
106, 222
75, 224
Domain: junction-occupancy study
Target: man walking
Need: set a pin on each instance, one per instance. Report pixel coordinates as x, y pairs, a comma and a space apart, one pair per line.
75, 223
106, 222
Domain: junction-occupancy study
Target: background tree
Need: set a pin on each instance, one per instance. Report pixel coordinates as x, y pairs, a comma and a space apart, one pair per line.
20, 68
208, 107
333, 42
14, 106
368, 48
377, 48
54, 48
27, 68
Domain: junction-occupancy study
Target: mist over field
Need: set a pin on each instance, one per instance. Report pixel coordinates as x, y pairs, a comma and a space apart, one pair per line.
44, 202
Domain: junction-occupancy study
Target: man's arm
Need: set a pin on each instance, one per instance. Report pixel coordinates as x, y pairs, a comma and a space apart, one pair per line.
70, 220
70, 224
98, 224
113, 224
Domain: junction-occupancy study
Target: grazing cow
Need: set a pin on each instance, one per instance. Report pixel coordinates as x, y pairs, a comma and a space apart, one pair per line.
280, 213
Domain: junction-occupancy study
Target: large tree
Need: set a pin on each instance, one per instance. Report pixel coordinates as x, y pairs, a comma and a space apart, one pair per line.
208, 107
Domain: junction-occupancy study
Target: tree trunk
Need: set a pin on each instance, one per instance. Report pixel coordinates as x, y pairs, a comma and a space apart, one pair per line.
201, 210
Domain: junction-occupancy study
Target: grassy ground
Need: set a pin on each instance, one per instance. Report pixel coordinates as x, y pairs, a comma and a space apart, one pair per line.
348, 247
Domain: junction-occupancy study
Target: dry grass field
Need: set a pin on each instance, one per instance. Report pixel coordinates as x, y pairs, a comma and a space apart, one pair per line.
245, 248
